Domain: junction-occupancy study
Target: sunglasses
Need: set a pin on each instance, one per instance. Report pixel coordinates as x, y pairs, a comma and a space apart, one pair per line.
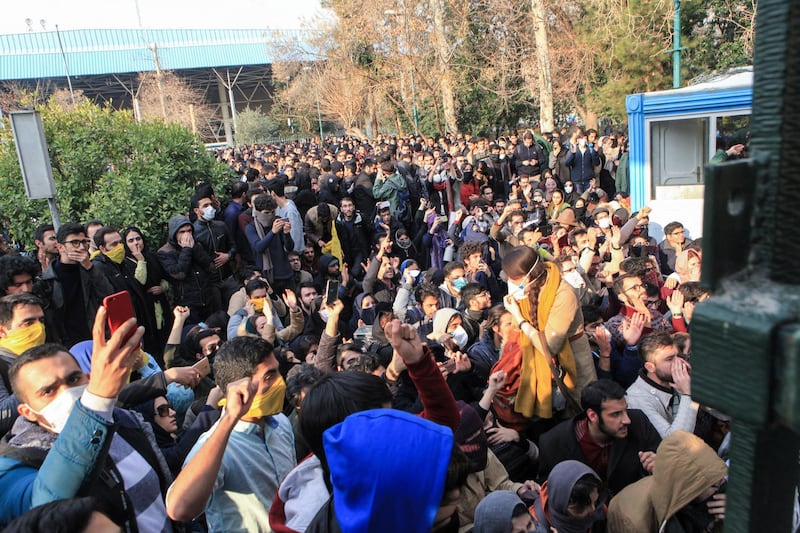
164, 409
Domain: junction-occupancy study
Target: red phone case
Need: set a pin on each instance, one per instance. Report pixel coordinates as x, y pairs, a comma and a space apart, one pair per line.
119, 308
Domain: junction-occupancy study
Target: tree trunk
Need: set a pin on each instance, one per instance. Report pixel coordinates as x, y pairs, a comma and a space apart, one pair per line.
543, 55
445, 77
590, 119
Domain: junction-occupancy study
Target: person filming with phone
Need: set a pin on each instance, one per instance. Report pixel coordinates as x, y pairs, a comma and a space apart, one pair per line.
69, 430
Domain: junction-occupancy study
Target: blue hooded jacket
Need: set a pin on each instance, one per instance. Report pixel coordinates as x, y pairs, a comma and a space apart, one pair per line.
388, 471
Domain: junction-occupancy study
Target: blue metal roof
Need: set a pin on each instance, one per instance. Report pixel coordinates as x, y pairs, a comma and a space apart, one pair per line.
97, 52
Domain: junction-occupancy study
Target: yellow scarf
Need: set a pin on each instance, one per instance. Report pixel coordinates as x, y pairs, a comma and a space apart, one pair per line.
535, 394
21, 339
334, 247
267, 404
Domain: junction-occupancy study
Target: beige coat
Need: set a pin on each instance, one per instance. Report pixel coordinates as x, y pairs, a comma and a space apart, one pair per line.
685, 467
479, 484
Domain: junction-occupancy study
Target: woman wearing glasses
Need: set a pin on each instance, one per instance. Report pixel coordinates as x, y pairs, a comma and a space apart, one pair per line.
163, 419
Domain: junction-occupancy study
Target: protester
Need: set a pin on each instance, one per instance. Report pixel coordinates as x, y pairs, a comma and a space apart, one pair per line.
376, 265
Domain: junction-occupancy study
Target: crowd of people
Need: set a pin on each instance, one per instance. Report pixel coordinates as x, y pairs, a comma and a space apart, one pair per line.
406, 334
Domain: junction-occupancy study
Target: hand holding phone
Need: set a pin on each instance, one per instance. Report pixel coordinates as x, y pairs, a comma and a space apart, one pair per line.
203, 367
119, 309
331, 292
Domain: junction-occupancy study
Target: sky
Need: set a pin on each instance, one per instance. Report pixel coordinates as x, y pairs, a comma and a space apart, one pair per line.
202, 14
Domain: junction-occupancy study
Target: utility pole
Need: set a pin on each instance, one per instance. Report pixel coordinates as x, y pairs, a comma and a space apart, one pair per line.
159, 81
66, 66
676, 46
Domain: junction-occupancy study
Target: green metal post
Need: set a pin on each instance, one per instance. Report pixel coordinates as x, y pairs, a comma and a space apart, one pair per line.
676, 46
746, 338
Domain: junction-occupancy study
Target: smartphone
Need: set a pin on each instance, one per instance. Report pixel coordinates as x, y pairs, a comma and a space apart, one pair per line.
203, 367
443, 219
450, 365
331, 292
119, 308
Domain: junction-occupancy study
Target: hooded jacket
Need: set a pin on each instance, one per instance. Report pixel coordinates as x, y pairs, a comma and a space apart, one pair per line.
685, 467
494, 513
551, 505
378, 460
186, 268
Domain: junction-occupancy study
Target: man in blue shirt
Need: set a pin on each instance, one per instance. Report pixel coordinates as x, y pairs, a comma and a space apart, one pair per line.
235, 468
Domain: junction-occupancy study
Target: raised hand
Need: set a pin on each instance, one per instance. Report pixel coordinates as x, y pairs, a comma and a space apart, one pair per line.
603, 339
497, 380
405, 341
181, 313
633, 327
675, 303
239, 396
290, 299
113, 358
463, 363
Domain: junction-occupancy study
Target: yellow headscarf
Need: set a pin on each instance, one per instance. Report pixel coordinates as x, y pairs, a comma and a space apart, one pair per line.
535, 394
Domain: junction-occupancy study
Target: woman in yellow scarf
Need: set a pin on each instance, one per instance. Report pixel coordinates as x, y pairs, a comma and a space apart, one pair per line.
541, 303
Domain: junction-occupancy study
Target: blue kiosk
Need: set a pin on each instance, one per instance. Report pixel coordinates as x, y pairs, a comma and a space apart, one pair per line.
673, 135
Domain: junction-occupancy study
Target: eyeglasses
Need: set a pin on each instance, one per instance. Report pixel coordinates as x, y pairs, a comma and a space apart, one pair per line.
636, 287
164, 409
78, 242
678, 232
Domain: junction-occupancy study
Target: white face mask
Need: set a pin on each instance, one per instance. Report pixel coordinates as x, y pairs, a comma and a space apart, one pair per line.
209, 213
604, 223
567, 189
518, 291
460, 337
574, 278
413, 273
57, 412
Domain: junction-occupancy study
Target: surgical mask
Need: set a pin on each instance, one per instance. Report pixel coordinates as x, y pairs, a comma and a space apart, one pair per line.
413, 273
23, 338
209, 213
568, 189
116, 254
574, 278
459, 283
266, 404
57, 412
604, 223
460, 337
518, 291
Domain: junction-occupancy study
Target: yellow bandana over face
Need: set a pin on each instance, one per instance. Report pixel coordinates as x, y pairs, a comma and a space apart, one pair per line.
266, 404
116, 254
21, 339
258, 304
